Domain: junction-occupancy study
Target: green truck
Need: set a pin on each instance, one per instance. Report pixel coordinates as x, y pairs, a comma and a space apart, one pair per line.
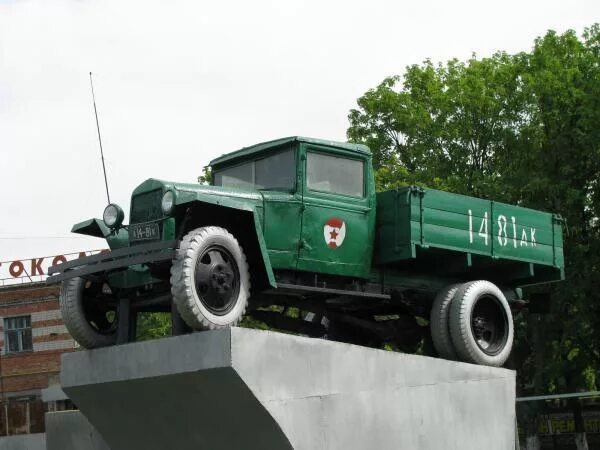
292, 233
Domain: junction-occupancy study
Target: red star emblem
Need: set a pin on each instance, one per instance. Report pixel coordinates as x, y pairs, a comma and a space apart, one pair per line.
333, 235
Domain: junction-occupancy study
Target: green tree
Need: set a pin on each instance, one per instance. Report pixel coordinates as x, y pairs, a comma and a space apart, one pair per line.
153, 326
445, 126
517, 128
206, 176
561, 166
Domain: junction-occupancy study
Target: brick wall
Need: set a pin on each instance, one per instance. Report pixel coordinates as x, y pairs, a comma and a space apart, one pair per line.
32, 370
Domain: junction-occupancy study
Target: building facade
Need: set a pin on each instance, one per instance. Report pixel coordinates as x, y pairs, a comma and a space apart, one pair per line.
32, 338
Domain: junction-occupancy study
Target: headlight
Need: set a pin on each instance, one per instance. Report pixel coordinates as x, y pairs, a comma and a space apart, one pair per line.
113, 216
167, 203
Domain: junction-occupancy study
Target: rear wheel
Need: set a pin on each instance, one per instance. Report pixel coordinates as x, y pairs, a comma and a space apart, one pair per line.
210, 280
481, 324
90, 312
438, 322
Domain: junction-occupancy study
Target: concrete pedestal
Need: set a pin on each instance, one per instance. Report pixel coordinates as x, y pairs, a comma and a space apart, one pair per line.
36, 441
70, 430
247, 389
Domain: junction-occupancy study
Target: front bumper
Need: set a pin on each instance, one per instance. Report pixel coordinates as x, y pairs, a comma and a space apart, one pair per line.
116, 259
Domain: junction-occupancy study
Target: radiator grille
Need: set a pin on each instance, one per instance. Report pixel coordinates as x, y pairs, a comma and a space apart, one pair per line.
146, 207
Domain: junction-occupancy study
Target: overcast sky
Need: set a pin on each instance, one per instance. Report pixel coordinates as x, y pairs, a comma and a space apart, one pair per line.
180, 82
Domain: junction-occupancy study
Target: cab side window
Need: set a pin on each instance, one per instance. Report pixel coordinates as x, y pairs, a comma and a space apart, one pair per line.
335, 174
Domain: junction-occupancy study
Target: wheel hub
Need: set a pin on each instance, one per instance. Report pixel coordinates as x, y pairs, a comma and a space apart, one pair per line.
216, 279
99, 311
489, 325
221, 279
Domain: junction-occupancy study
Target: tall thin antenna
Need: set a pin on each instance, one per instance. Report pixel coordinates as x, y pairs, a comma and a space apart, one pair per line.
99, 139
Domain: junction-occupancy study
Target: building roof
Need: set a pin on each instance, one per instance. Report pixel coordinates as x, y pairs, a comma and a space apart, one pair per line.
358, 148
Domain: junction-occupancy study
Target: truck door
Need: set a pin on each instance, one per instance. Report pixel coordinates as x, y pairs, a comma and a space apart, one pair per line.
338, 212
276, 176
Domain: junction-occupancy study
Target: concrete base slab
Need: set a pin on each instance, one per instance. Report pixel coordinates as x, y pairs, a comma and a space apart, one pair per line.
70, 430
246, 389
36, 441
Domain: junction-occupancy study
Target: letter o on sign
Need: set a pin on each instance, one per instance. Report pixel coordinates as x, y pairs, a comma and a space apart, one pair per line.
16, 269
59, 259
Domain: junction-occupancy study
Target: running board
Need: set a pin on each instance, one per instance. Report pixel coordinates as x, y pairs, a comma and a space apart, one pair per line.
319, 290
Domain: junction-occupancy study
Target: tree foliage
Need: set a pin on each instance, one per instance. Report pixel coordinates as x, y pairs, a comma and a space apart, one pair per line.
153, 325
206, 176
523, 129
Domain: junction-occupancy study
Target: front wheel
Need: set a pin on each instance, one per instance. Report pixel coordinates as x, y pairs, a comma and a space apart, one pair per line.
210, 280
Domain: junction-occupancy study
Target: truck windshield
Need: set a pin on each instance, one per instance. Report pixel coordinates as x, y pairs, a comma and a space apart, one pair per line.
277, 171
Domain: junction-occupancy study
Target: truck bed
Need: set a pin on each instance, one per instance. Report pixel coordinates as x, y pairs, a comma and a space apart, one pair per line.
468, 237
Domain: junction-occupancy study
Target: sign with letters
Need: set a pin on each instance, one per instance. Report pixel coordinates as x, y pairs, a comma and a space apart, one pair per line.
35, 269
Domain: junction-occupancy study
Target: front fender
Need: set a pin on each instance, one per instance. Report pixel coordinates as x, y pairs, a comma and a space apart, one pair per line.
244, 201
263, 250
96, 228
243, 221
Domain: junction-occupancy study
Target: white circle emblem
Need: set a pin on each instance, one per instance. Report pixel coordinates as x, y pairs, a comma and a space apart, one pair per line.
334, 232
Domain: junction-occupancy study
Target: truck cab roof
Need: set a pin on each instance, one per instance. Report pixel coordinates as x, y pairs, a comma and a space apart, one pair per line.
265, 146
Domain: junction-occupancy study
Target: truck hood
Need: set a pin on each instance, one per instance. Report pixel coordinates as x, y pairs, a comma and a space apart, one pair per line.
245, 199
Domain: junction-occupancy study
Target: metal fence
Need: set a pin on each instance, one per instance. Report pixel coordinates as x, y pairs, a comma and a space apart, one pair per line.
547, 422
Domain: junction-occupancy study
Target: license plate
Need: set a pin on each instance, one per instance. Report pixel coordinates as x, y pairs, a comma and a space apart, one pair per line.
144, 232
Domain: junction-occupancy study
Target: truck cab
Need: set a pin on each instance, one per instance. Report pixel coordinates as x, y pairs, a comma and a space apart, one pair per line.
318, 211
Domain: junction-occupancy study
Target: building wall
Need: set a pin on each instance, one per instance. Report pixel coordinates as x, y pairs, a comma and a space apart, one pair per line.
24, 374
32, 370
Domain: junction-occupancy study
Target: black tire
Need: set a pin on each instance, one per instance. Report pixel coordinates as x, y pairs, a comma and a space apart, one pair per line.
481, 324
438, 322
88, 313
210, 280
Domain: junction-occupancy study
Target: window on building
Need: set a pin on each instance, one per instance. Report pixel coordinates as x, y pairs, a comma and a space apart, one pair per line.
18, 412
36, 416
60, 405
24, 415
17, 334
